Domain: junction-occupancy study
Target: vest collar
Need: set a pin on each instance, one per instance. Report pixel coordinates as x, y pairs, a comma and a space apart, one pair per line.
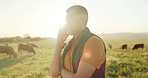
82, 34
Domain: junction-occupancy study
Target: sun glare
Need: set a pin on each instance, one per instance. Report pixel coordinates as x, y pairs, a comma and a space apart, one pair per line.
87, 54
54, 21
57, 20
56, 25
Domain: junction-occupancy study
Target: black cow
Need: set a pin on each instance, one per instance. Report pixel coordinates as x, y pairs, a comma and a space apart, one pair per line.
124, 47
136, 46
24, 47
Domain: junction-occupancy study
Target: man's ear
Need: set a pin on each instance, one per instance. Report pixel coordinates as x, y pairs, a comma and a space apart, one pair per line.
83, 22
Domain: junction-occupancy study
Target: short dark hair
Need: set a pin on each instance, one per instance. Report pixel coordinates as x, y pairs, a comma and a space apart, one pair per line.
78, 8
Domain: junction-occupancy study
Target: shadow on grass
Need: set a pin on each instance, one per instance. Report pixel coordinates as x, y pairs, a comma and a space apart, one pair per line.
8, 62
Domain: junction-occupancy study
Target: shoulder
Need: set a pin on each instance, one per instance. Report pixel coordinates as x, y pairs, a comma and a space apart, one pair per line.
94, 42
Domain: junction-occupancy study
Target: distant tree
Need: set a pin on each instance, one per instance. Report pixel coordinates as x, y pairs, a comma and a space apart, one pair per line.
27, 38
36, 39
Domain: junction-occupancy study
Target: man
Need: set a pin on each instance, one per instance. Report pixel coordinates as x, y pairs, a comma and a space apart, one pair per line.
84, 56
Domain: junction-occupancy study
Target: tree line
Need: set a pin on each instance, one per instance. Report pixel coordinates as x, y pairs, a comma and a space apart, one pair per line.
19, 39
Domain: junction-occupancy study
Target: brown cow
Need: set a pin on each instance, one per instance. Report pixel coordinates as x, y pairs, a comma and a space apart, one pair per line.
124, 47
33, 45
24, 47
109, 46
8, 50
136, 46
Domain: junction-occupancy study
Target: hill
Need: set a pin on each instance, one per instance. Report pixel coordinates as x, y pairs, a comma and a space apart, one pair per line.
125, 36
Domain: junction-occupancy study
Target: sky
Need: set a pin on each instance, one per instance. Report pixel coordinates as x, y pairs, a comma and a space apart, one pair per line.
44, 17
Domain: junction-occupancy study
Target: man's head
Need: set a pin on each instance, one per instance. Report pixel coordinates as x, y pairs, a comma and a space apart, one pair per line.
77, 17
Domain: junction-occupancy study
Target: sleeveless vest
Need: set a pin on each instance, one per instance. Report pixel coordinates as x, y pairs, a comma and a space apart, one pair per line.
78, 51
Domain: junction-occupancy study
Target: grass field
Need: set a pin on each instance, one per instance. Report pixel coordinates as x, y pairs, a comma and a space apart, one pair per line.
120, 64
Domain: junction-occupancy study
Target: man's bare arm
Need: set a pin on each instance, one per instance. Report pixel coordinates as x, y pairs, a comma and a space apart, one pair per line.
85, 70
55, 63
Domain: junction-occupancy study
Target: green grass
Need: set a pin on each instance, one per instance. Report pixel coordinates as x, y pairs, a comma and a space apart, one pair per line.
129, 63
120, 64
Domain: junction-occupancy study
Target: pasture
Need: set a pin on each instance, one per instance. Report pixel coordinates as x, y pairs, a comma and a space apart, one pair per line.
120, 63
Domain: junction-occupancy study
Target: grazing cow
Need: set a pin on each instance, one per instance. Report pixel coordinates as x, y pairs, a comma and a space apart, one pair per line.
136, 46
33, 45
24, 47
109, 46
124, 47
8, 50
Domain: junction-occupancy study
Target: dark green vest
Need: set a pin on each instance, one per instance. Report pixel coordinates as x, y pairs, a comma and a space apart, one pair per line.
78, 50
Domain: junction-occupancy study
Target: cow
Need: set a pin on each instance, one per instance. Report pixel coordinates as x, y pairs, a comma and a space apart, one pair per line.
24, 47
124, 47
109, 46
33, 45
136, 46
8, 50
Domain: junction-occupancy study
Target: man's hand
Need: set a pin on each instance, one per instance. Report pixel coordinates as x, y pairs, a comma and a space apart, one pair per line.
62, 36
